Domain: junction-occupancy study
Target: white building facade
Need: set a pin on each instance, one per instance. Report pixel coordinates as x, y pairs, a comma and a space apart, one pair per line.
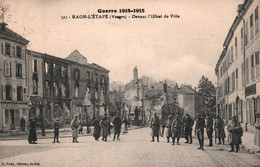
238, 68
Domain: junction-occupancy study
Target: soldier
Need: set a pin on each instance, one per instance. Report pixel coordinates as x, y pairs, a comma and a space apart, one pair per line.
74, 127
168, 126
188, 124
56, 127
176, 129
104, 124
209, 128
22, 123
155, 125
117, 126
199, 130
220, 129
163, 126
235, 132
97, 129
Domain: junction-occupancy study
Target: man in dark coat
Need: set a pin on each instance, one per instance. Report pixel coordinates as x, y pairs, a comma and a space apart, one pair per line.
97, 129
235, 132
188, 124
168, 128
209, 128
176, 129
32, 135
155, 125
56, 127
117, 126
220, 129
199, 130
22, 123
104, 124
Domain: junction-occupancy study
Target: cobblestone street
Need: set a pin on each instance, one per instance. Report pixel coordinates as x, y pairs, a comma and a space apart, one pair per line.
134, 149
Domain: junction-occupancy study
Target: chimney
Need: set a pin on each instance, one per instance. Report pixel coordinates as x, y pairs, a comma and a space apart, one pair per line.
2, 26
240, 8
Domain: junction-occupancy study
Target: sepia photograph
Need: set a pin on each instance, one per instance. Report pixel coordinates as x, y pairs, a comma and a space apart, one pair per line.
130, 83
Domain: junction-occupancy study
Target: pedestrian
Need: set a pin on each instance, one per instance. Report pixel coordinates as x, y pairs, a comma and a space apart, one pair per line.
220, 130
155, 125
104, 124
168, 128
97, 129
188, 124
257, 132
176, 129
163, 126
88, 125
32, 134
22, 123
209, 129
74, 127
199, 130
117, 126
56, 127
124, 125
235, 132
81, 126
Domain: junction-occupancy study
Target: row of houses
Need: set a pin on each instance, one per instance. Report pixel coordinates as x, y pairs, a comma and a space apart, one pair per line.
71, 86
238, 67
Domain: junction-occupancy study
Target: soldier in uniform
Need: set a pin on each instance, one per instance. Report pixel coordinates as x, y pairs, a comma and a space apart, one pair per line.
235, 132
97, 129
220, 129
56, 127
209, 128
104, 124
176, 129
155, 125
188, 123
168, 126
199, 130
117, 126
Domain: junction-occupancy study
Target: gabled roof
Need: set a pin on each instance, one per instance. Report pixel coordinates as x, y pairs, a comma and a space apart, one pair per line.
8, 34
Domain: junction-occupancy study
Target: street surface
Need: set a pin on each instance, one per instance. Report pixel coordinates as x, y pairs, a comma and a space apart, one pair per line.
133, 150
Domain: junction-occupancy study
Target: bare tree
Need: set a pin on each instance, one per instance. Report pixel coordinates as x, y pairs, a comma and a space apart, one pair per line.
40, 103
129, 111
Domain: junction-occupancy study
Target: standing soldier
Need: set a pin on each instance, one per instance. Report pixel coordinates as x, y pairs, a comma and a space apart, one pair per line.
209, 128
220, 130
188, 124
168, 126
22, 123
163, 126
104, 124
74, 127
56, 127
155, 125
117, 126
81, 126
97, 129
235, 132
199, 130
176, 129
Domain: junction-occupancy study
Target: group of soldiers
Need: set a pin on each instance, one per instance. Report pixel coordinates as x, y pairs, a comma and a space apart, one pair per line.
177, 126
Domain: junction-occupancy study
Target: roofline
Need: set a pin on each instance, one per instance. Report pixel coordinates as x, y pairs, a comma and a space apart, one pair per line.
231, 31
67, 61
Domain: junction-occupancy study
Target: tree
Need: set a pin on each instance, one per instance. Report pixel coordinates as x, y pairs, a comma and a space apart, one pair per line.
137, 112
129, 111
40, 103
106, 106
207, 93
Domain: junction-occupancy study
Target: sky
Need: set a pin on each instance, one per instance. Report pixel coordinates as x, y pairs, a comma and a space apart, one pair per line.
181, 49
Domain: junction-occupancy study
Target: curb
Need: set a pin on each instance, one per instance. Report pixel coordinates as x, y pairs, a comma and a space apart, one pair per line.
243, 147
51, 137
